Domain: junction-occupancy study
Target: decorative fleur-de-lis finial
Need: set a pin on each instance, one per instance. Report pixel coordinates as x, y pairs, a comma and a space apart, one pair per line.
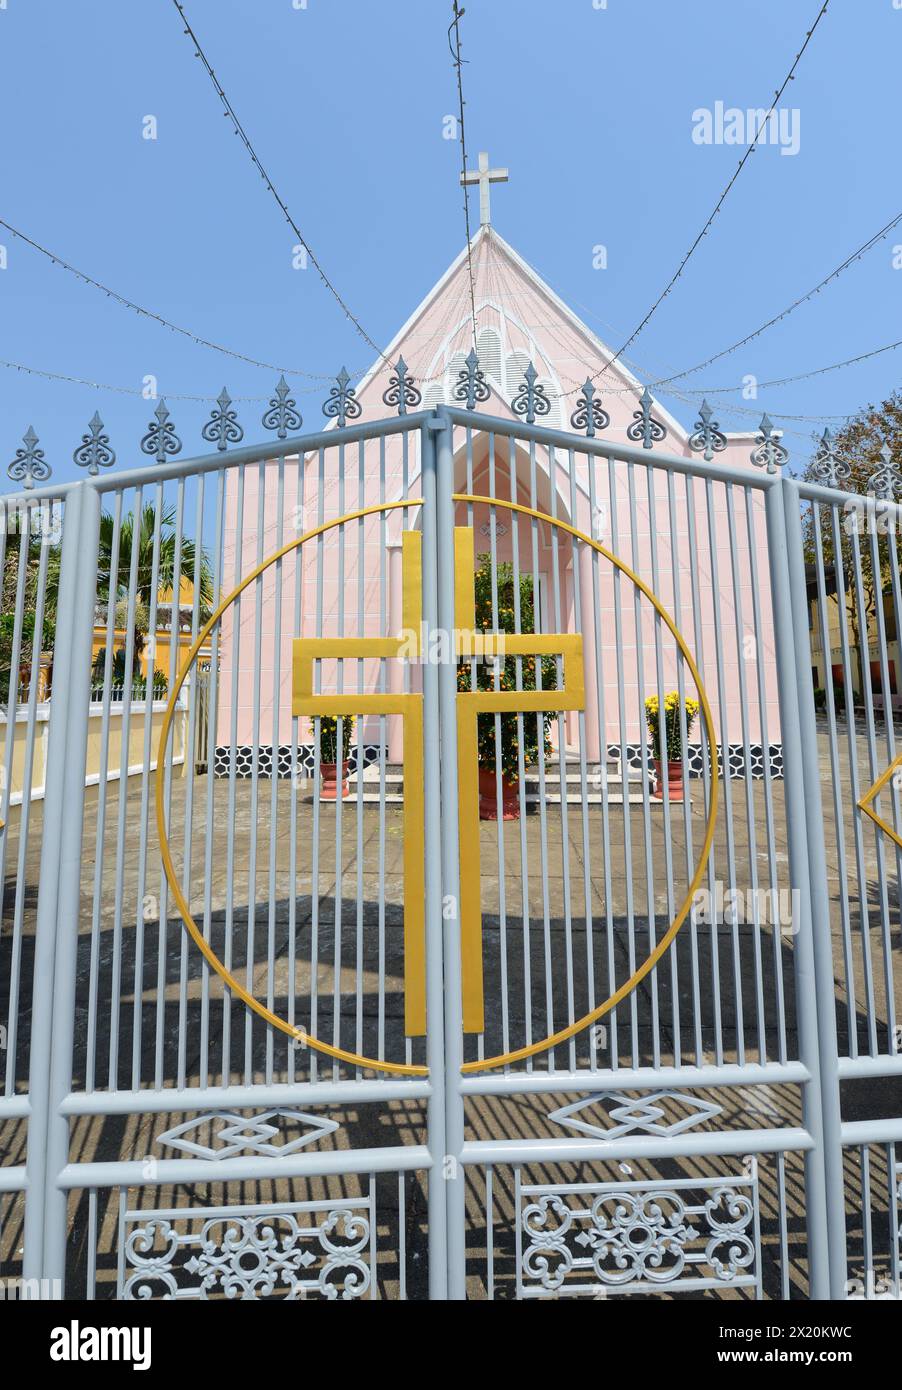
827, 467
471, 383
29, 465
885, 483
531, 400
342, 404
589, 414
282, 414
768, 453
707, 434
94, 451
401, 390
646, 429
161, 438
222, 428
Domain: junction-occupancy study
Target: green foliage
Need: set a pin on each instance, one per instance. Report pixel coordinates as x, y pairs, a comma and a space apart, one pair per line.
26, 645
858, 444
142, 540
119, 677
328, 738
505, 621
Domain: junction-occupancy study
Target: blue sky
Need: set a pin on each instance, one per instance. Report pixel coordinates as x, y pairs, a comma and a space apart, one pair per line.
345, 99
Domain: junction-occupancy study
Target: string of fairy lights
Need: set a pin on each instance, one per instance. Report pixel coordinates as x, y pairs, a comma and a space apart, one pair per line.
750, 150
658, 383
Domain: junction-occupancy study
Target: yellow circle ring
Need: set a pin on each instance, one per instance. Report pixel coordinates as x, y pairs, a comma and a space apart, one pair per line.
210, 956
520, 1053
340, 1054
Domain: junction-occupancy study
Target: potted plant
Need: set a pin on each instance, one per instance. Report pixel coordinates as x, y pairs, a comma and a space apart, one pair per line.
671, 741
328, 756
508, 748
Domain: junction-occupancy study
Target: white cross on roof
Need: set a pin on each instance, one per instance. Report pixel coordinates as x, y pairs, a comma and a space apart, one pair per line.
484, 176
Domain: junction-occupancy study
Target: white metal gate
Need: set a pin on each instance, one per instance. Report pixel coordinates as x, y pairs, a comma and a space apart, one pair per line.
219, 1075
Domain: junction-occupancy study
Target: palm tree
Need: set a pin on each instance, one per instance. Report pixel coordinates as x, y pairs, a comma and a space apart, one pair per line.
166, 561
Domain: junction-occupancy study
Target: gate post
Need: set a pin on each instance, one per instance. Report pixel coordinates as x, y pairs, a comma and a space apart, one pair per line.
59, 894
821, 942
812, 953
435, 1023
455, 1177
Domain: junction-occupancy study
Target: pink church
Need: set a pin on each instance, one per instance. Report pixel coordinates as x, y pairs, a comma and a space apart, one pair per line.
698, 543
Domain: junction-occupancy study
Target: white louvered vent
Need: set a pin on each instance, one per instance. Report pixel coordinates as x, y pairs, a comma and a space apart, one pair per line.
456, 365
517, 362
553, 418
488, 350
433, 395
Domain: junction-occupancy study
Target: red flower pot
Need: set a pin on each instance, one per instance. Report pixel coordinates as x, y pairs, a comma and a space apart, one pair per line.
329, 782
674, 780
488, 796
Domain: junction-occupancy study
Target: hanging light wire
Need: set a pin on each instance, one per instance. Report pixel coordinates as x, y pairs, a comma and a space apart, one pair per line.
150, 314
718, 205
790, 308
458, 64
255, 160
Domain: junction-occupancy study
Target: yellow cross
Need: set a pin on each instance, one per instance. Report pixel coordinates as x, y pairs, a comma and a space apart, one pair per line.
470, 704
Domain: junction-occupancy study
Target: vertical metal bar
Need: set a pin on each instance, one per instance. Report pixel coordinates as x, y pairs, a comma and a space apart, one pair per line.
579, 603
499, 818
489, 1235
687, 799
274, 772
250, 940
11, 1040
212, 737
562, 752
521, 757
723, 723
597, 534
709, 768
235, 657
361, 629
751, 502
624, 766
813, 952
443, 559
752, 845
435, 759
651, 478
150, 657
122, 809
48, 897
299, 527
839, 819
383, 737
61, 862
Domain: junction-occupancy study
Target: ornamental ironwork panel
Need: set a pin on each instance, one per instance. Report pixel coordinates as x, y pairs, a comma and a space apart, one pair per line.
591, 1240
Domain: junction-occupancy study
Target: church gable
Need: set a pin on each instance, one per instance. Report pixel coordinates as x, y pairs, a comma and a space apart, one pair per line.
519, 319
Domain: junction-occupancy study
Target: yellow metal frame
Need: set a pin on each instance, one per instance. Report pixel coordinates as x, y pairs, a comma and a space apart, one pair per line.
194, 931
309, 650
520, 703
876, 789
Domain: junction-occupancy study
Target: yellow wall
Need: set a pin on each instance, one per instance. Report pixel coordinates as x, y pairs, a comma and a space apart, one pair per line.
161, 657
136, 736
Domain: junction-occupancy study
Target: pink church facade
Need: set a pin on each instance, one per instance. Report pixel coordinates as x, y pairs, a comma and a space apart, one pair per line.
700, 545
